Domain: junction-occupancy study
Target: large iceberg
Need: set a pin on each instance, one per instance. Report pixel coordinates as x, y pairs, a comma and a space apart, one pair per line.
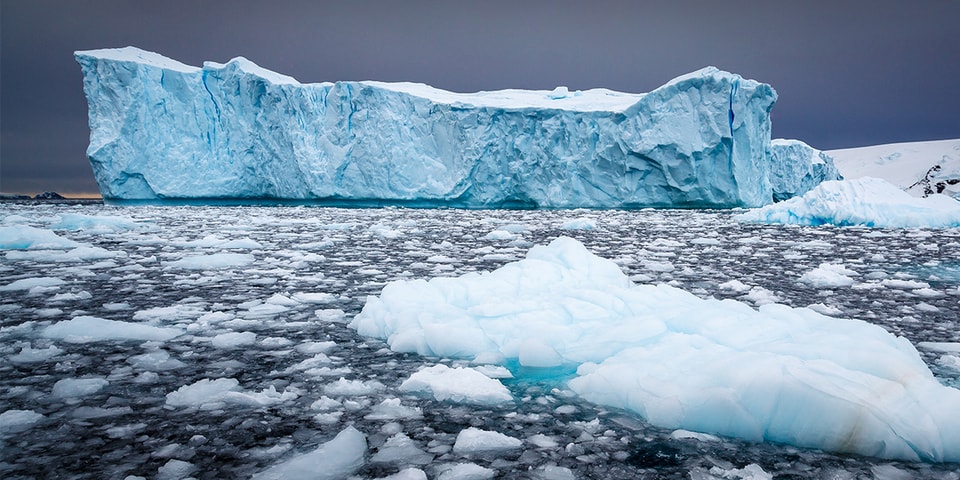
779, 374
867, 201
797, 167
160, 129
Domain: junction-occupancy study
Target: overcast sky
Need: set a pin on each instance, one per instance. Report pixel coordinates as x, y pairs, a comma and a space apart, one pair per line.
848, 73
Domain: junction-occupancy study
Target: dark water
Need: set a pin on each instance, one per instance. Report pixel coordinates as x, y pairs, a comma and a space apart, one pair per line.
908, 281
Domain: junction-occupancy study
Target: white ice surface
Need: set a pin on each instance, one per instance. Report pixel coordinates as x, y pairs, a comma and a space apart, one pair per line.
864, 201
902, 164
473, 440
25, 237
780, 374
335, 459
458, 384
85, 329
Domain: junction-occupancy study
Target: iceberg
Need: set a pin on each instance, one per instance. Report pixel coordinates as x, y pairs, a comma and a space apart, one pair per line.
797, 167
777, 374
162, 130
867, 201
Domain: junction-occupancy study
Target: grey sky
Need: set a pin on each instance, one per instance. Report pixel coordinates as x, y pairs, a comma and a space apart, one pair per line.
848, 73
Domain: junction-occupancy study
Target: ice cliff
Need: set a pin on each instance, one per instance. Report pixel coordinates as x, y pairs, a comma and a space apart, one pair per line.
164, 130
797, 167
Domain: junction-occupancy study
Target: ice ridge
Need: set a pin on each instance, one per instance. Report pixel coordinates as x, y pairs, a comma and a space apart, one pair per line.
160, 129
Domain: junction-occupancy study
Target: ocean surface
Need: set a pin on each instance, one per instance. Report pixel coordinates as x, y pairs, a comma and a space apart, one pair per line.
264, 294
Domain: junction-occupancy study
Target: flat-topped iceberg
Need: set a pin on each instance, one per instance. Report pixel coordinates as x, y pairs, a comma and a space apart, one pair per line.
160, 129
778, 374
866, 201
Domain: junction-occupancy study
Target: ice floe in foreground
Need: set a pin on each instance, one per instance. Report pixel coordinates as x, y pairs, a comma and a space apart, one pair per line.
779, 374
864, 201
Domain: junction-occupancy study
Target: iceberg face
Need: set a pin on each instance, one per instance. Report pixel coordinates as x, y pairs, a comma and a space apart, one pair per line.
866, 201
780, 374
164, 130
796, 167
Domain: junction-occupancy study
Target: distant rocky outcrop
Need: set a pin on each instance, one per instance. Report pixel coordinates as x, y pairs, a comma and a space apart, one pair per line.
49, 196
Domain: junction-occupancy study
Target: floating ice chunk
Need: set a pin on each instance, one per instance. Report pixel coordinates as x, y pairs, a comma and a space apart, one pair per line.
213, 241
234, 339
24, 237
392, 409
352, 388
175, 470
157, 361
504, 235
542, 441
312, 348
950, 362
778, 374
15, 421
214, 261
204, 394
85, 329
687, 434
30, 283
829, 275
400, 448
339, 458
553, 472
97, 223
749, 472
407, 474
942, 347
78, 387
265, 397
864, 201
584, 223
34, 355
466, 471
901, 284
326, 403
318, 297
734, 286
461, 385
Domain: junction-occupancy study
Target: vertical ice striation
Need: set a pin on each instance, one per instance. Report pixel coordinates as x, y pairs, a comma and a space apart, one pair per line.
795, 168
164, 130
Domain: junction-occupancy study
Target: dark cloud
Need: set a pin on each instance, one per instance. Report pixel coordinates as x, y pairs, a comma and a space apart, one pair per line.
848, 73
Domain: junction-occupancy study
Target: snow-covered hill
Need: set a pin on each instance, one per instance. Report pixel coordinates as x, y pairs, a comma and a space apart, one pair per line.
920, 168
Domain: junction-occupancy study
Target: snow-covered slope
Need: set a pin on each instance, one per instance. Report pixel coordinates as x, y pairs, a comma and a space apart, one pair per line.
162, 129
920, 168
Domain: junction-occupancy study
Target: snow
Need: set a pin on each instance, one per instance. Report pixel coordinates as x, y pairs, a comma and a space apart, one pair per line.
700, 140
85, 328
780, 374
337, 458
458, 384
920, 168
864, 201
473, 440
